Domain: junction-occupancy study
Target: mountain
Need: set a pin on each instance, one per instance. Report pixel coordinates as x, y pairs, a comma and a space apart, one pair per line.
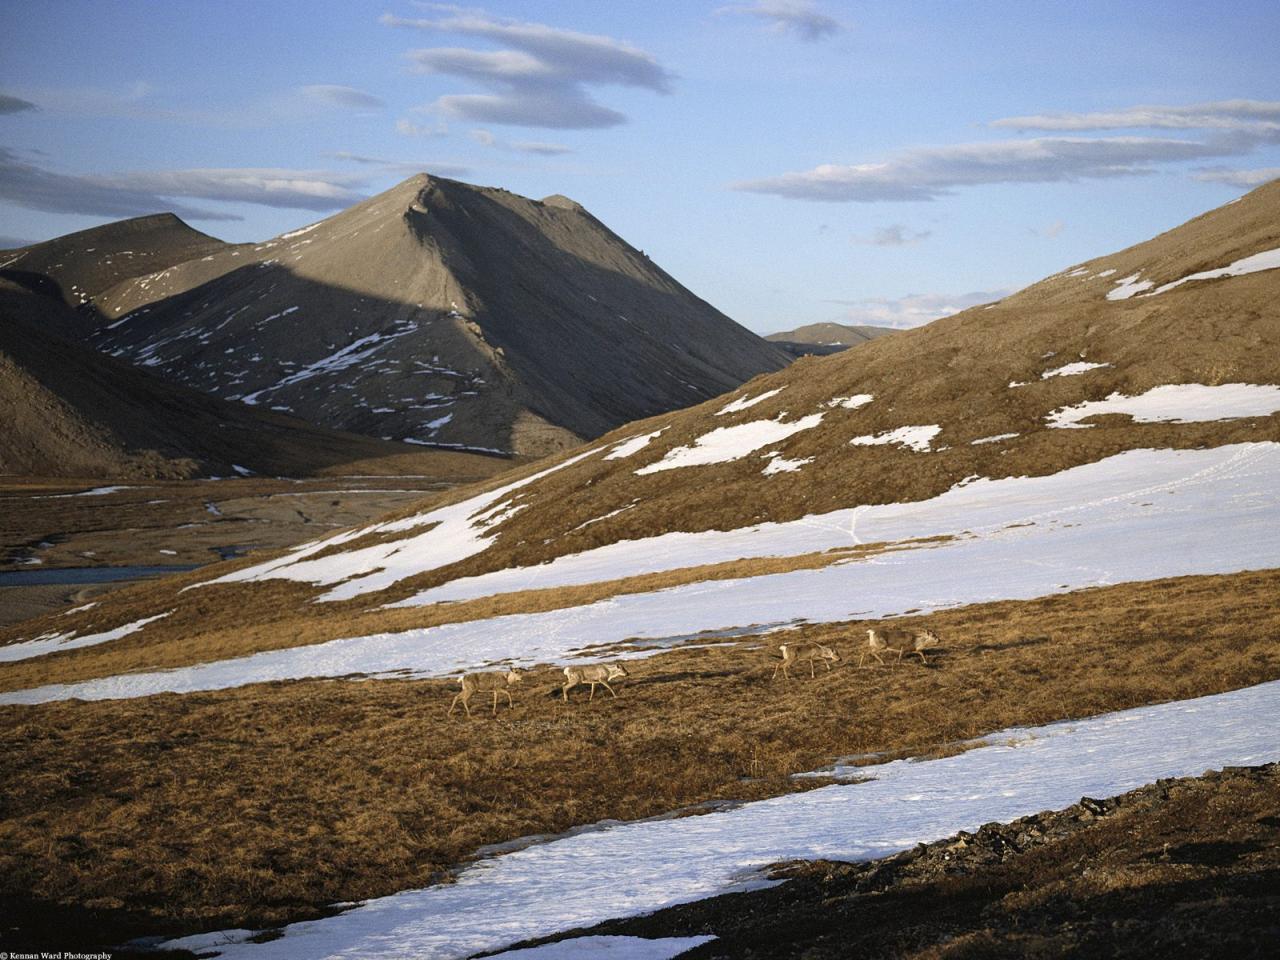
437, 313
69, 411
81, 266
824, 338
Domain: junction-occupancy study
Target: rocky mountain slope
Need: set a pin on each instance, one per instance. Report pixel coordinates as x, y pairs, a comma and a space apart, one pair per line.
824, 338
69, 411
436, 313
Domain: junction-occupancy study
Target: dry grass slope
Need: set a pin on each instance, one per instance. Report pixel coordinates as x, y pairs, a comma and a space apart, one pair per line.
260, 805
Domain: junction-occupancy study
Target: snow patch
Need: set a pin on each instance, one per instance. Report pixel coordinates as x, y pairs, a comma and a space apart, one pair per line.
994, 438
778, 464
915, 438
607, 948
1128, 286
850, 403
54, 642
1267, 260
725, 444
456, 532
742, 403
632, 445
1072, 369
1177, 403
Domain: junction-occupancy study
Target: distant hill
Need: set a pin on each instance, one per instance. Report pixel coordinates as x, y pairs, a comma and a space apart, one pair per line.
67, 410
824, 338
437, 313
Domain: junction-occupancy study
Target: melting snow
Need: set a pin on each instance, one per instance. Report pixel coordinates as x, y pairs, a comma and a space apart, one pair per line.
778, 464
1072, 369
95, 492
53, 642
1267, 260
994, 438
1178, 403
1126, 287
1140, 515
916, 438
732, 443
742, 403
850, 403
632, 445
634, 868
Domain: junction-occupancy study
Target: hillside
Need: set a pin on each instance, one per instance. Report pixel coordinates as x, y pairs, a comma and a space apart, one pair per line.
436, 313
71, 412
801, 461
824, 338
1076, 490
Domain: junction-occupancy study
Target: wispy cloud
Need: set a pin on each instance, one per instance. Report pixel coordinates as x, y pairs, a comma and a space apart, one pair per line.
914, 309
926, 173
338, 96
800, 17
1260, 116
410, 128
144, 192
405, 168
894, 235
1246, 179
489, 139
542, 77
10, 104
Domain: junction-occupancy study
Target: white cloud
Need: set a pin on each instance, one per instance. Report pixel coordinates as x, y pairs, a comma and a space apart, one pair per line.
926, 173
1247, 179
339, 96
1052, 230
894, 235
542, 80
489, 139
801, 17
143, 192
912, 310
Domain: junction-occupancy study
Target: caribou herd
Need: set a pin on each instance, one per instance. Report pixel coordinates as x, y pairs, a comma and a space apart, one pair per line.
878, 643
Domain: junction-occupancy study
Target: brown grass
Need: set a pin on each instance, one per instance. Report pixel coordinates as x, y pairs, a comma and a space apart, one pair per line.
259, 805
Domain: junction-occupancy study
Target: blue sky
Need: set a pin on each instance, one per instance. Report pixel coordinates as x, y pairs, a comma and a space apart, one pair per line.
789, 161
